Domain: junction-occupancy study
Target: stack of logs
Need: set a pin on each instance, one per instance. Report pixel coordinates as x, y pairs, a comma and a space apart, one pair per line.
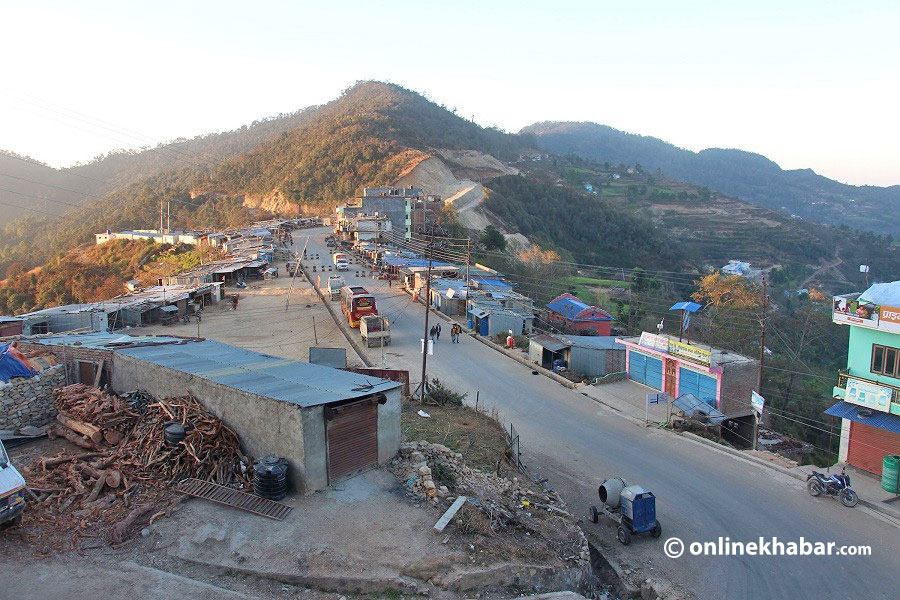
123, 476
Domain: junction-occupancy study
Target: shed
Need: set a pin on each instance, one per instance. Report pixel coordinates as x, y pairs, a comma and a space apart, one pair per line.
328, 423
587, 355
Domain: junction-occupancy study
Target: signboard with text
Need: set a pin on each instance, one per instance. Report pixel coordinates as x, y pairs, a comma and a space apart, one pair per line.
867, 394
653, 341
691, 353
757, 402
861, 313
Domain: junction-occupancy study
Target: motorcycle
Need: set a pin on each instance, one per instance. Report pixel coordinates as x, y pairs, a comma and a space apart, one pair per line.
832, 485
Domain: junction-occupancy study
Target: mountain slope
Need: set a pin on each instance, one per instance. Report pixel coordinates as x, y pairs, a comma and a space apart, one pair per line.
743, 174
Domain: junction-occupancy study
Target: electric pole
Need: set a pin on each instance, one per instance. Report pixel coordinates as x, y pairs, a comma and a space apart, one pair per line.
762, 356
430, 250
468, 260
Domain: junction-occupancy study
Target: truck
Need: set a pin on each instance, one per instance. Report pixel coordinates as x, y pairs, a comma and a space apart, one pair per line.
12, 490
375, 330
341, 263
334, 285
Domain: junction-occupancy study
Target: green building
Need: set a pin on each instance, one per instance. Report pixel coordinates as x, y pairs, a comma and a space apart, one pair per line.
869, 389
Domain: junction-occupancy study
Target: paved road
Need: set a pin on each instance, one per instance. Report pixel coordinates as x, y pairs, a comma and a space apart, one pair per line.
702, 493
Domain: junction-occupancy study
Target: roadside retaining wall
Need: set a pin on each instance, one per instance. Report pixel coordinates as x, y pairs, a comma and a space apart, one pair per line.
29, 400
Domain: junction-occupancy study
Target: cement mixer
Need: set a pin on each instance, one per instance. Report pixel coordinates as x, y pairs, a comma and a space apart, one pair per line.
631, 507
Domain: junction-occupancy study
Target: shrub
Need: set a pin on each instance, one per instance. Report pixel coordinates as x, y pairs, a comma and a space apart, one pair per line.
438, 393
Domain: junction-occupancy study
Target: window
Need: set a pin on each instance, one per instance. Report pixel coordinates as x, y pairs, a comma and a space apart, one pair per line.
885, 360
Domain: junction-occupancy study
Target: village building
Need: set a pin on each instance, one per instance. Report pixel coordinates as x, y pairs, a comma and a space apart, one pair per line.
722, 380
570, 315
587, 355
498, 312
868, 391
328, 423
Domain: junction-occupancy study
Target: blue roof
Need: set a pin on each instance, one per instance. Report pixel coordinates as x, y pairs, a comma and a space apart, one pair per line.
11, 366
490, 281
569, 307
877, 418
688, 306
698, 410
303, 384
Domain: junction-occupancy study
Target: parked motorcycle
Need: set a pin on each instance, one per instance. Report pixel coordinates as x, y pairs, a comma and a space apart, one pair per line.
832, 485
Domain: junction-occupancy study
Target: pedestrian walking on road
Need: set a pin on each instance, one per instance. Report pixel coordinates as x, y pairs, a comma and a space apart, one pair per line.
433, 333
455, 330
437, 329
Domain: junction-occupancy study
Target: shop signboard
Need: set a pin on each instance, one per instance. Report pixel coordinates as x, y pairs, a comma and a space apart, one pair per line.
870, 395
654, 341
688, 352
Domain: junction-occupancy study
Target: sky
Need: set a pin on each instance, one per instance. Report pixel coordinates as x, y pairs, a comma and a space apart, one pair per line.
807, 84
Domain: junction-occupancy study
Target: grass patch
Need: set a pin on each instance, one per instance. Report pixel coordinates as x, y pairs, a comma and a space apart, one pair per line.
477, 436
592, 281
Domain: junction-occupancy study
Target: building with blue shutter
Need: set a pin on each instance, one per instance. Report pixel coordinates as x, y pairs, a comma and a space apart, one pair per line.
722, 379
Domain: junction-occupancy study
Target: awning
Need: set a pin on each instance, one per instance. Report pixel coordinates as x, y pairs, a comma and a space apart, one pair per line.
168, 309
698, 410
688, 306
479, 314
865, 416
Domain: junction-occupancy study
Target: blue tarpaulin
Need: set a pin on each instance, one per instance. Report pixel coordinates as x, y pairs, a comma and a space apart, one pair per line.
10, 366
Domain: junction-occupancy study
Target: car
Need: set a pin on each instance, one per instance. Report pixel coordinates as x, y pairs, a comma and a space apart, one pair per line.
12, 490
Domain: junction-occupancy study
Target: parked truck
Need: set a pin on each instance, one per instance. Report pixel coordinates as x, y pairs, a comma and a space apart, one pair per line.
12, 490
341, 263
375, 330
334, 285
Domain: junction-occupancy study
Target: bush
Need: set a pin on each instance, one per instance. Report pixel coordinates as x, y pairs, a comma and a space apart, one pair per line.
443, 475
438, 393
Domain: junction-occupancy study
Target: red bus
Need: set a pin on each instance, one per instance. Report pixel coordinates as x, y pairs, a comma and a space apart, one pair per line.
357, 302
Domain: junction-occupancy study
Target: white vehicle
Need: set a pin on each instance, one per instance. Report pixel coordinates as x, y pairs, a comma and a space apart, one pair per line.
375, 330
341, 263
12, 490
334, 285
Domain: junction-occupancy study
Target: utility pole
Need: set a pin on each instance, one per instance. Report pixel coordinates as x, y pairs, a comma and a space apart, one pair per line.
430, 250
315, 334
160, 216
762, 355
168, 217
468, 260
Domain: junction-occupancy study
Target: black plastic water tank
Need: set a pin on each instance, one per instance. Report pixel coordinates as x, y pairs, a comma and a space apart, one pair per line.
270, 477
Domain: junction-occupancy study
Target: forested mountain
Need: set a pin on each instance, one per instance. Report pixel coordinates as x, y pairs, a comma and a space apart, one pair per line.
749, 176
26, 182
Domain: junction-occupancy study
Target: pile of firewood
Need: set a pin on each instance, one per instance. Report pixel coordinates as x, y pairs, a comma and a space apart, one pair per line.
124, 475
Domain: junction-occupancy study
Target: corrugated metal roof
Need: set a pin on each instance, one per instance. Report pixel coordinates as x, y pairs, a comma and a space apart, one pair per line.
569, 308
599, 342
698, 410
102, 340
877, 418
304, 384
549, 343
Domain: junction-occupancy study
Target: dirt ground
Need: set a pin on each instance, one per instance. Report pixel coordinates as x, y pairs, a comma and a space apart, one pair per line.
262, 322
479, 437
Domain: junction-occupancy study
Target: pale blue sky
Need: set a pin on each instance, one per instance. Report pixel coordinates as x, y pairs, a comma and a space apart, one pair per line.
808, 84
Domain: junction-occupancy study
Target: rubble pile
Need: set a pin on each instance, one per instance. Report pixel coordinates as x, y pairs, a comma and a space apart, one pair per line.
122, 477
437, 474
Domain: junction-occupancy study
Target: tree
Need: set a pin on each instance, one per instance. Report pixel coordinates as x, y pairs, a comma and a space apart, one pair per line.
720, 291
492, 239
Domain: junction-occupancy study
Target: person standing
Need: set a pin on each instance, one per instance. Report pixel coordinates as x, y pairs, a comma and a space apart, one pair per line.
510, 340
437, 330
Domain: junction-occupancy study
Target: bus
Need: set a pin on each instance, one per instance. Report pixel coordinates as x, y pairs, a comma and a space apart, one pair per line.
357, 302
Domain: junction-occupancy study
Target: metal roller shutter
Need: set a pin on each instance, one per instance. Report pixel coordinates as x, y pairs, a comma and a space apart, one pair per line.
702, 386
352, 432
637, 367
869, 445
645, 369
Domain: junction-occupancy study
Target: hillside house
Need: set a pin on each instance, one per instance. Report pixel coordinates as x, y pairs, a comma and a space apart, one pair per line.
868, 391
721, 379
570, 315
587, 355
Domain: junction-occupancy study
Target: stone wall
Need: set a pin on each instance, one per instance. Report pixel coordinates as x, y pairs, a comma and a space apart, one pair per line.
29, 400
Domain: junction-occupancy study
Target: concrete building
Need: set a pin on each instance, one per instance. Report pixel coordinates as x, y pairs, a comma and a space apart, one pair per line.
569, 314
191, 238
724, 380
868, 391
587, 355
328, 423
10, 326
397, 204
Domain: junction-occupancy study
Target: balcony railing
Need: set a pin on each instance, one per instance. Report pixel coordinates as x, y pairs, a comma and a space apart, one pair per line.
843, 376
